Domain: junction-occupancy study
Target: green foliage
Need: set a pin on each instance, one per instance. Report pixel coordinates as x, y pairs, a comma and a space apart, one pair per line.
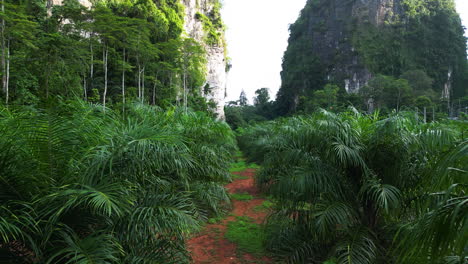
213, 33
420, 82
262, 97
239, 113
241, 196
362, 189
101, 186
325, 98
241, 165
213, 25
387, 92
420, 41
215, 220
116, 51
265, 206
247, 235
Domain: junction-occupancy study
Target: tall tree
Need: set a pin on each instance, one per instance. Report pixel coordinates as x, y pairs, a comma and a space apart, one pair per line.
243, 101
15, 27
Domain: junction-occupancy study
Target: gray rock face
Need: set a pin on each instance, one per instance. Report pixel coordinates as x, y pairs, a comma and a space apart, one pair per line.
216, 67
330, 26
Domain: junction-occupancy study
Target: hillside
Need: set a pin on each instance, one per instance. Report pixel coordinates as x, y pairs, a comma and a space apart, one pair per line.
348, 42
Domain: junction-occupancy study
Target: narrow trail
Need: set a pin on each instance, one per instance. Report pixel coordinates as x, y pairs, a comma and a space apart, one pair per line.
211, 246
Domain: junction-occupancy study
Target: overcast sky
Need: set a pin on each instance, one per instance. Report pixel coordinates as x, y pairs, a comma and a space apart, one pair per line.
257, 36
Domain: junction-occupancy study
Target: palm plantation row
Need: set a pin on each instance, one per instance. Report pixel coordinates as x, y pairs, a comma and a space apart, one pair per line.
351, 188
84, 185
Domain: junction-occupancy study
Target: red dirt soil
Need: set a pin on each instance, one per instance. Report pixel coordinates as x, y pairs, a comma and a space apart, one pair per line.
211, 246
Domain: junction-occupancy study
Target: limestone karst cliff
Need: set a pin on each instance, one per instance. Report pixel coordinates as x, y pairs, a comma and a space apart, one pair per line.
347, 42
195, 27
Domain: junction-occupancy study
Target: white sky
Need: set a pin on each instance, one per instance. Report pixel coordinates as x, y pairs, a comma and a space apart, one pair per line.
257, 36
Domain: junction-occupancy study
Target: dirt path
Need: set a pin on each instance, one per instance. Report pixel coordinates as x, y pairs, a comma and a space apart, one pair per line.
211, 246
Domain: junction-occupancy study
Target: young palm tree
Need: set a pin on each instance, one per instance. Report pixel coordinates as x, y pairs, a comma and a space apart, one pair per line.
344, 183
104, 188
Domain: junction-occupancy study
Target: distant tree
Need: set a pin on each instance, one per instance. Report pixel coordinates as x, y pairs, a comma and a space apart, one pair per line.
423, 101
327, 97
15, 28
264, 108
387, 92
234, 117
262, 97
421, 83
397, 93
243, 101
232, 103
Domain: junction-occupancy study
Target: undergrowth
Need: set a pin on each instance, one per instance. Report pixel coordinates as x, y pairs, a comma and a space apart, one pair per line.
247, 235
265, 206
242, 196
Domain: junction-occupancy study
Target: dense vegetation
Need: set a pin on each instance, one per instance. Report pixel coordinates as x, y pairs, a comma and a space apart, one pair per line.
106, 178
418, 40
240, 113
114, 52
353, 188
84, 185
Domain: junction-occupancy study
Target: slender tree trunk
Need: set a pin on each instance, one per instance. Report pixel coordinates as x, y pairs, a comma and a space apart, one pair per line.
123, 78
425, 115
153, 101
143, 86
2, 34
7, 82
85, 93
398, 102
105, 56
139, 81
185, 91
91, 70
47, 81
49, 6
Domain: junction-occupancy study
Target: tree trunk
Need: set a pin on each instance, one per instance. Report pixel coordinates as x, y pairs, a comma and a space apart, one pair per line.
85, 93
143, 86
105, 56
7, 84
398, 102
49, 6
123, 78
91, 70
185, 91
139, 81
425, 115
153, 101
2, 34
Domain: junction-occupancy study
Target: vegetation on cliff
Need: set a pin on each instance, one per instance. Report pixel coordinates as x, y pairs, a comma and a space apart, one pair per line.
333, 40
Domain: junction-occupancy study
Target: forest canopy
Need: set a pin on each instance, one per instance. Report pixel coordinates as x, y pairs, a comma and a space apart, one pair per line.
113, 52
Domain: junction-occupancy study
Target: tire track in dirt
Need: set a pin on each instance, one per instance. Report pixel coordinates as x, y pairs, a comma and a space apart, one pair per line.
211, 246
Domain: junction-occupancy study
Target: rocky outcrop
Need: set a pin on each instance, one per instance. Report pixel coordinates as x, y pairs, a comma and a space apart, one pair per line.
217, 64
347, 42
330, 28
51, 3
